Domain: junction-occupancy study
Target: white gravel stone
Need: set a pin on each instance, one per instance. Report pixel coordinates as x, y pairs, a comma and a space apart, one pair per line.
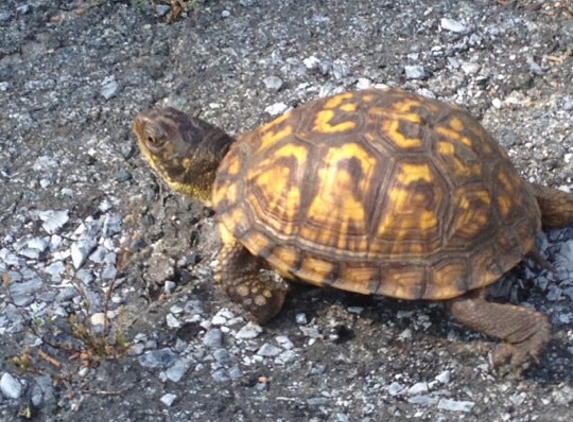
273, 83
80, 250
415, 72
455, 406
284, 342
53, 220
285, 357
276, 109
110, 87
444, 377
269, 350
311, 332
311, 62
168, 399
249, 331
497, 103
178, 370
453, 25
418, 388
213, 338
301, 319
363, 83
10, 386
172, 321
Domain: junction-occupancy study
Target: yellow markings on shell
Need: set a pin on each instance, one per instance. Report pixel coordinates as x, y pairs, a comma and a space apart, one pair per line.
270, 134
348, 107
391, 128
276, 198
338, 205
336, 101
283, 260
467, 142
447, 150
356, 278
448, 133
456, 124
315, 270
504, 205
322, 123
414, 172
255, 242
507, 184
471, 217
233, 165
401, 283
407, 207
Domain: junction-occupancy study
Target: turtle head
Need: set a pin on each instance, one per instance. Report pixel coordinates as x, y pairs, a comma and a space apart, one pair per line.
184, 151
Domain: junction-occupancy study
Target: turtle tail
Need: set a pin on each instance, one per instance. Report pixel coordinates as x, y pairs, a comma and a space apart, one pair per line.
556, 206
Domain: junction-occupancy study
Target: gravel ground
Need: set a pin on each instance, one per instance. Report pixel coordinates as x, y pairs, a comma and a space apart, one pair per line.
96, 255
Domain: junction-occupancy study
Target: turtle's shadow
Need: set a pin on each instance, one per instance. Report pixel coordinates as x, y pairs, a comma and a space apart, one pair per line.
555, 365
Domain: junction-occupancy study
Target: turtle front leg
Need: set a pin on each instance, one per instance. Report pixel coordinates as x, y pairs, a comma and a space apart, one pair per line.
238, 272
525, 332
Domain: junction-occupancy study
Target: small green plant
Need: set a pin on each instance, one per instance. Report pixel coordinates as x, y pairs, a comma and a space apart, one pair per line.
69, 344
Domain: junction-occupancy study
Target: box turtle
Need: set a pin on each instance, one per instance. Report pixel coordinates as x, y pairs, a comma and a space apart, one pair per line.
376, 192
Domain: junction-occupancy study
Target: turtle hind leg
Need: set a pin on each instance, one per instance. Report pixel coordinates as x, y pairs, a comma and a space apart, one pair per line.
524, 331
238, 272
556, 206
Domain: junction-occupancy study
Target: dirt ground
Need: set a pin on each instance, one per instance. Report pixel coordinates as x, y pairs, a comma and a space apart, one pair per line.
89, 234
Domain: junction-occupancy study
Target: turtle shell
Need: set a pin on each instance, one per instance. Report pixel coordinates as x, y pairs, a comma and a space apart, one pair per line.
378, 192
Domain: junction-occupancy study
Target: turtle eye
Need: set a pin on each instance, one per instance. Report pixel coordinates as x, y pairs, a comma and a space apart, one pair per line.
154, 140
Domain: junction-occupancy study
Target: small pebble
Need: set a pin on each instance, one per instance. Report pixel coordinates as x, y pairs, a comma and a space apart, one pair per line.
249, 331
10, 386
53, 220
161, 358
213, 338
273, 83
269, 350
276, 109
176, 372
453, 25
415, 72
455, 406
110, 87
168, 399
443, 377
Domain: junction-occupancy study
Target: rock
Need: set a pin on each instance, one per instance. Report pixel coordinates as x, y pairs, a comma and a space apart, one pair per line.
273, 83
162, 358
301, 319
455, 406
81, 249
453, 25
276, 109
213, 338
285, 357
222, 357
443, 377
415, 72
249, 331
53, 220
269, 350
176, 372
110, 88
162, 9
10, 386
168, 399
416, 389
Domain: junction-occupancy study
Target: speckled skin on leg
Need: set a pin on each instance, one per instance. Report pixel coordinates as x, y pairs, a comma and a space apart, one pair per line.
525, 332
238, 273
